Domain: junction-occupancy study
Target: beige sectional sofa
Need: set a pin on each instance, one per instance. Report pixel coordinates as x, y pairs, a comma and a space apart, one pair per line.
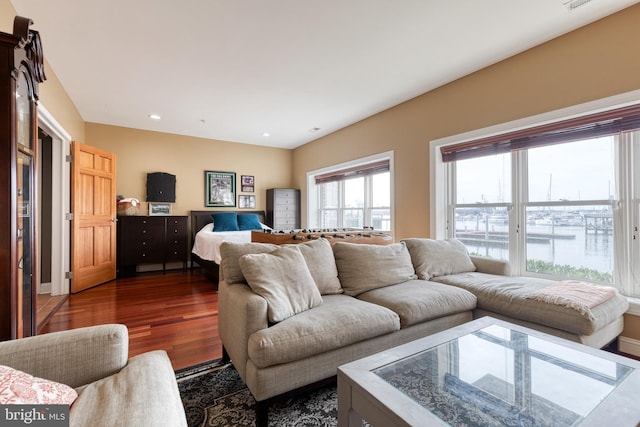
112, 390
290, 315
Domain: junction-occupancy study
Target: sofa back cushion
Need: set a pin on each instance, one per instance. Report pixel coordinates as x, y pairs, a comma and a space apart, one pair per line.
363, 267
317, 255
283, 279
322, 265
433, 258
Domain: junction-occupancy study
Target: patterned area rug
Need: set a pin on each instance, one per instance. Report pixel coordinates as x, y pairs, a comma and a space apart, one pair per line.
214, 395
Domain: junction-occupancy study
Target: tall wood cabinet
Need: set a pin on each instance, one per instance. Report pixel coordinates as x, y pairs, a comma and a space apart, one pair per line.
21, 70
283, 208
151, 240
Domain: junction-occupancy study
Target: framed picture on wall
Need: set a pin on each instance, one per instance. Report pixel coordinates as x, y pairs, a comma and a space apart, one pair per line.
219, 189
247, 183
246, 202
156, 208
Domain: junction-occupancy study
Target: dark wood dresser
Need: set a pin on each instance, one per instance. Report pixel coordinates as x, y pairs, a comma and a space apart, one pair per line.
151, 240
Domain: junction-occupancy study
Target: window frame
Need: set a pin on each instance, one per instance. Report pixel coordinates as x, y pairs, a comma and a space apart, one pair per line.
627, 206
313, 202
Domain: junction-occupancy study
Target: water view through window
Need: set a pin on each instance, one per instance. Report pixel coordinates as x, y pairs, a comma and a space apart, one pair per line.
565, 214
565, 242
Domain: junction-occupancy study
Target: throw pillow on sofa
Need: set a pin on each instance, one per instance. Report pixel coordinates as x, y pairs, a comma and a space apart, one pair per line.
17, 387
283, 279
230, 253
317, 255
433, 258
362, 267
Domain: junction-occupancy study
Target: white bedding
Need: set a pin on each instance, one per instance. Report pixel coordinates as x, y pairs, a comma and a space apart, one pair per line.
207, 243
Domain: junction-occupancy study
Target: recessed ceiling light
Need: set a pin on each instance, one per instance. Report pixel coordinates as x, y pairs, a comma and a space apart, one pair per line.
154, 116
266, 134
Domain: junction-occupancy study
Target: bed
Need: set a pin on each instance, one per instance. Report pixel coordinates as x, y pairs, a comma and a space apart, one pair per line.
206, 243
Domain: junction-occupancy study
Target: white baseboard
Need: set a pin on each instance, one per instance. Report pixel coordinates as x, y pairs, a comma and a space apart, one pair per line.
629, 346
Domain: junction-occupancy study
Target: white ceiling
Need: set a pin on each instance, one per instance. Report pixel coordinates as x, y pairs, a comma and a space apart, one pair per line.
235, 69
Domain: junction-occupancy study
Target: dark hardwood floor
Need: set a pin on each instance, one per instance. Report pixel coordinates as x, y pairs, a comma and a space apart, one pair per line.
175, 311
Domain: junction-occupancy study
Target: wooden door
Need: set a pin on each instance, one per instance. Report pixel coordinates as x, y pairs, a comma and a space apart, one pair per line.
93, 204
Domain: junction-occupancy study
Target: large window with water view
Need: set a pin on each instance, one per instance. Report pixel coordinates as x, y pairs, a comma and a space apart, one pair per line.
553, 208
569, 211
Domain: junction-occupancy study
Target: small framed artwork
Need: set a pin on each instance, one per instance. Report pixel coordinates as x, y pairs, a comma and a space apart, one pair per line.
219, 188
246, 202
159, 209
247, 184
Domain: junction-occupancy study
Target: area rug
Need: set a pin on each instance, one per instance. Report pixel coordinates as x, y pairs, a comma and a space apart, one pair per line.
214, 395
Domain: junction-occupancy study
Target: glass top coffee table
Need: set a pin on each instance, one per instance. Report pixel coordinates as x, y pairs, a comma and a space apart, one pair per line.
490, 373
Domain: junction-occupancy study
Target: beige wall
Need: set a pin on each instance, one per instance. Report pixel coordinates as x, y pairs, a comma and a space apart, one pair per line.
7, 13
55, 100
53, 96
140, 152
590, 63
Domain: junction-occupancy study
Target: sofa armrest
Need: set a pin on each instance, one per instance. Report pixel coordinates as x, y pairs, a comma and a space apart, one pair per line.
241, 312
492, 266
75, 357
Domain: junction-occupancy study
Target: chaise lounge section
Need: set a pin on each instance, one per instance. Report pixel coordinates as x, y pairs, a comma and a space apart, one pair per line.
557, 308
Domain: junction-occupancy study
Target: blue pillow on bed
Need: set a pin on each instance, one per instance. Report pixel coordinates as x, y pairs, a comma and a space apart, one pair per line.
225, 221
249, 222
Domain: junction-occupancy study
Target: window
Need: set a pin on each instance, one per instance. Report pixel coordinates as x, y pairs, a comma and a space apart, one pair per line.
352, 195
558, 200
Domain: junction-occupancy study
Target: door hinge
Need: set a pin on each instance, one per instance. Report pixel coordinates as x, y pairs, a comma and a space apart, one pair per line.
68, 275
68, 216
69, 158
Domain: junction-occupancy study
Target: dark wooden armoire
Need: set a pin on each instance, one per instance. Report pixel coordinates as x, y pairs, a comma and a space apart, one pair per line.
21, 70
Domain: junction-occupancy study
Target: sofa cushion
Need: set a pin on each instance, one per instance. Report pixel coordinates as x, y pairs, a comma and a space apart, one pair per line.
317, 254
143, 393
433, 258
417, 301
17, 387
363, 267
341, 320
283, 279
231, 252
512, 296
322, 265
